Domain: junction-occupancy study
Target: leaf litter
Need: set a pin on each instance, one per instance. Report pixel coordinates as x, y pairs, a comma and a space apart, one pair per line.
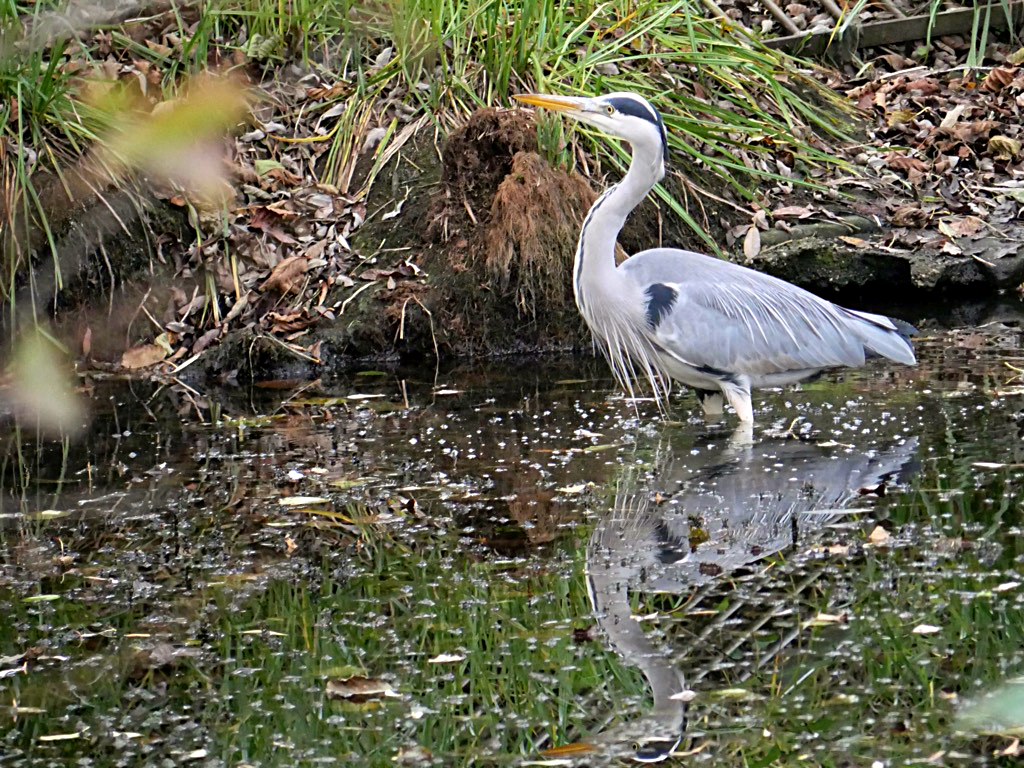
943, 166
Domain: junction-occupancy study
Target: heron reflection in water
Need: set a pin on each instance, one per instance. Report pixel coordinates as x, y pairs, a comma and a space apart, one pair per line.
750, 502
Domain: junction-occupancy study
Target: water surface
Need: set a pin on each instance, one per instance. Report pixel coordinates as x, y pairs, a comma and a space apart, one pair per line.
511, 564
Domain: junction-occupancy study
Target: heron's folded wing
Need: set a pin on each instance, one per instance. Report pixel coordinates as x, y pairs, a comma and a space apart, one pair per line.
754, 324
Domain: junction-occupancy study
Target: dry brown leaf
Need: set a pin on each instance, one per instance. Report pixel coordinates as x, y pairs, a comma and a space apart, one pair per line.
998, 78
269, 221
925, 86
285, 276
899, 116
289, 322
952, 117
965, 227
856, 242
793, 212
143, 356
1003, 147
205, 340
283, 209
901, 162
912, 216
896, 61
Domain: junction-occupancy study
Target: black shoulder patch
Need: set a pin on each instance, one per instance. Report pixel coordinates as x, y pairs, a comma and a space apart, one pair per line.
643, 110
660, 298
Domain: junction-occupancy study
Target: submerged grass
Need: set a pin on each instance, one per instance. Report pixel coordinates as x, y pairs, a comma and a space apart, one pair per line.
249, 682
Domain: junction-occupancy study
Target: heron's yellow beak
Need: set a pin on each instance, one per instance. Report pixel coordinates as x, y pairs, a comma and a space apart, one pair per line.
555, 103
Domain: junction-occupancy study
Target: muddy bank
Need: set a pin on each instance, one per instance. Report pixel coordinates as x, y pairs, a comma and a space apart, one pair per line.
463, 252
487, 233
470, 255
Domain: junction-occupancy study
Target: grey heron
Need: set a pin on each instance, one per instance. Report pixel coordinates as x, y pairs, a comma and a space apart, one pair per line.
666, 314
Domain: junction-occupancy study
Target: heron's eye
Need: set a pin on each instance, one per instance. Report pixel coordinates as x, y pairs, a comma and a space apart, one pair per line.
610, 109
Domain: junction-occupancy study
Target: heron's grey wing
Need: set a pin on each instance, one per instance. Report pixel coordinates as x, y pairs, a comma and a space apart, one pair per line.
717, 315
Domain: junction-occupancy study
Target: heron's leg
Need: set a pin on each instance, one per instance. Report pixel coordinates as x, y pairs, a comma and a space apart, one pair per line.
742, 437
738, 394
711, 401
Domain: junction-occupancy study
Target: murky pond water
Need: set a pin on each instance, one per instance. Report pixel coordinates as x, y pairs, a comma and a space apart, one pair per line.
511, 564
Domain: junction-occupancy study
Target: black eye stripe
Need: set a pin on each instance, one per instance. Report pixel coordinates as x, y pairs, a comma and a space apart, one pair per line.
636, 109
644, 111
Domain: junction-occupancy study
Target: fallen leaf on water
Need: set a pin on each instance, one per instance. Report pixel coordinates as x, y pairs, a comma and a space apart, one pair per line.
833, 549
879, 536
413, 754
572, 488
926, 629
446, 658
566, 750
62, 736
825, 619
301, 501
599, 448
875, 490
359, 689
734, 693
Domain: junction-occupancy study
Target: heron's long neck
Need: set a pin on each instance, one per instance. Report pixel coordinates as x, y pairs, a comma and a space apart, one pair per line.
595, 256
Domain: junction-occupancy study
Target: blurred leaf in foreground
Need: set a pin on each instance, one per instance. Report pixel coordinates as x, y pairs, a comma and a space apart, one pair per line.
181, 140
1000, 711
40, 386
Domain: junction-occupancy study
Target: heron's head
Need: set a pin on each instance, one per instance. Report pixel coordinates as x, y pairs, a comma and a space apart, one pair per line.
625, 115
